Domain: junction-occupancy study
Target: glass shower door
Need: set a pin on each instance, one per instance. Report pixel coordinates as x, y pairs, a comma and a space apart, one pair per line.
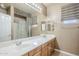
20, 29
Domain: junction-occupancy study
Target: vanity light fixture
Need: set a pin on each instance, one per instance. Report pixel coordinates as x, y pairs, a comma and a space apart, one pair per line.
34, 6
2, 5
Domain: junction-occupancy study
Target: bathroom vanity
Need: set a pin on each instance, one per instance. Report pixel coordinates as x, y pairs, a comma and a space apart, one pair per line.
42, 45
45, 49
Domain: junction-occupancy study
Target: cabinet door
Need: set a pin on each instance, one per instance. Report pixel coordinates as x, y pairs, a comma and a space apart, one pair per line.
44, 51
52, 46
49, 49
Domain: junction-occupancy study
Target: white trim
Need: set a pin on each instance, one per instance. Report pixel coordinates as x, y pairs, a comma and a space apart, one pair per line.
70, 54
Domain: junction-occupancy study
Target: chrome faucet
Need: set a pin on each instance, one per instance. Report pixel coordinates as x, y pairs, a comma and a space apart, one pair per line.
18, 42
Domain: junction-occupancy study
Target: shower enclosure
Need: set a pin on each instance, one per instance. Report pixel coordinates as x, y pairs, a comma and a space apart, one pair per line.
23, 28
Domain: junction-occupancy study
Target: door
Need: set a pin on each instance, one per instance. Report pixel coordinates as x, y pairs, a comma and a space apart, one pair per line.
20, 28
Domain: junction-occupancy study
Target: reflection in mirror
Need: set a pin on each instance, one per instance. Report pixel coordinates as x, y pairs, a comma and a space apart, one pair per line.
18, 24
5, 27
20, 28
47, 26
43, 26
50, 27
22, 24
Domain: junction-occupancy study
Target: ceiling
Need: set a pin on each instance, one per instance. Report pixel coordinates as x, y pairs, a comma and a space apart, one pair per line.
53, 4
23, 7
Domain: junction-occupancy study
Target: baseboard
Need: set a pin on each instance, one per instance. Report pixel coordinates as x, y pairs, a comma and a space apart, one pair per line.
70, 54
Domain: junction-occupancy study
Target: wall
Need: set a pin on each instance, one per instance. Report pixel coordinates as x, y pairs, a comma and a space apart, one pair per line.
3, 10
67, 38
44, 10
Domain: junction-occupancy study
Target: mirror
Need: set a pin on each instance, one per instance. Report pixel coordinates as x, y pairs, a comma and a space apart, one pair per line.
17, 21
21, 24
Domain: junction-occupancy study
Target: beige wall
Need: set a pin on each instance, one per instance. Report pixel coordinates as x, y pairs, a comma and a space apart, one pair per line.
43, 9
3, 11
67, 38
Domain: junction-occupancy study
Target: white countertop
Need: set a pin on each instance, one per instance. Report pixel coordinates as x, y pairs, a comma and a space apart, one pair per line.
26, 46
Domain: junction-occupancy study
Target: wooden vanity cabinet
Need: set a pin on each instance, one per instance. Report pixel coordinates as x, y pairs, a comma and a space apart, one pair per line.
45, 49
48, 48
